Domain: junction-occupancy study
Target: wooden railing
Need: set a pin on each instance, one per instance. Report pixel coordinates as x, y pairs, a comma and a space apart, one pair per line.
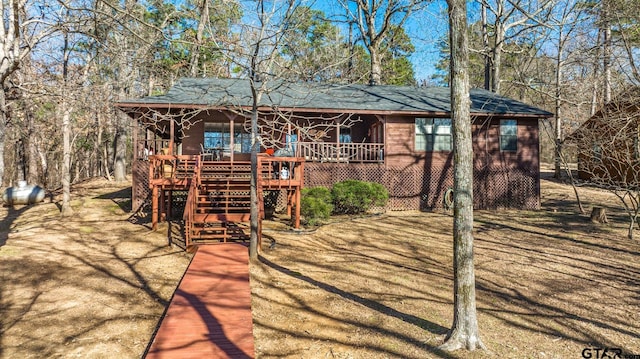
191, 204
341, 152
171, 167
270, 170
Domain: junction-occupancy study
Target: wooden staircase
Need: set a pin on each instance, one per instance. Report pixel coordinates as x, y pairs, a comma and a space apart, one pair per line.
220, 201
218, 205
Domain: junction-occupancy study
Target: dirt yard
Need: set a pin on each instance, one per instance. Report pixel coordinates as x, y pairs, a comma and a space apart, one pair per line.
90, 286
550, 283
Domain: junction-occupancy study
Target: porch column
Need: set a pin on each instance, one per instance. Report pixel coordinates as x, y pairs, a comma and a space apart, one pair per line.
337, 138
136, 145
232, 133
172, 125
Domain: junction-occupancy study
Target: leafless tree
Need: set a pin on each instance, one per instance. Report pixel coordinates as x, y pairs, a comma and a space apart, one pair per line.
375, 22
464, 331
509, 19
24, 25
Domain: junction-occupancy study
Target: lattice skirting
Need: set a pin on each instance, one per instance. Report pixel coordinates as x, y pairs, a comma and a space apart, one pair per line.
414, 187
410, 187
140, 190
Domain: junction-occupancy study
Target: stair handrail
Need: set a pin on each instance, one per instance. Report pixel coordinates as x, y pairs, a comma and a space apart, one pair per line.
191, 203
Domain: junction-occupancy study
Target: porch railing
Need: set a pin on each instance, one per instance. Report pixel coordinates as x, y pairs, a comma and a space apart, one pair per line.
341, 152
174, 167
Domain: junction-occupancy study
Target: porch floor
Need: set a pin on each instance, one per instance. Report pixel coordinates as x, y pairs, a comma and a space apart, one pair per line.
210, 313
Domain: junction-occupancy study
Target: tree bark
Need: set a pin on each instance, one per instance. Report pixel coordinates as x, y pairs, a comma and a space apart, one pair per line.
606, 49
485, 48
558, 102
32, 151
3, 131
120, 151
496, 60
195, 54
464, 331
255, 209
66, 209
375, 77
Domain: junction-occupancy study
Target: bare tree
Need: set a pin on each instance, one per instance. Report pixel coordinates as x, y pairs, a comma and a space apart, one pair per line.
375, 22
464, 331
511, 19
23, 27
258, 54
565, 24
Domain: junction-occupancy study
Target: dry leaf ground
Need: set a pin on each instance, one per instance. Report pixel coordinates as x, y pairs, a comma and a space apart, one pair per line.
550, 283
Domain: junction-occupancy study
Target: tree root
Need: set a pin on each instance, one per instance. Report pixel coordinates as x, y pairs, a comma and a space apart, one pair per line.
457, 342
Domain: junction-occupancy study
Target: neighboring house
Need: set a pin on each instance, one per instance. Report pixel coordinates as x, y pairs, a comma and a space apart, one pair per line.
608, 143
400, 137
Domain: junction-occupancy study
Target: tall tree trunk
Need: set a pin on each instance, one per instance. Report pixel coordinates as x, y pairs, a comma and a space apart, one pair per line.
464, 331
66, 161
3, 131
195, 54
485, 48
558, 104
20, 160
255, 205
496, 61
120, 152
32, 151
375, 78
606, 62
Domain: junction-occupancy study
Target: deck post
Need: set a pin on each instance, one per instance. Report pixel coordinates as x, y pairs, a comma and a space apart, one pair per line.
163, 206
297, 219
154, 208
289, 200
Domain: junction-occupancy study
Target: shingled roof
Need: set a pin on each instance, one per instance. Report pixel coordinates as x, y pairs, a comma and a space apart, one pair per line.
314, 97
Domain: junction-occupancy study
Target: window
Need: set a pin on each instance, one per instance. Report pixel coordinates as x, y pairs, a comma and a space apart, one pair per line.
433, 134
241, 139
217, 136
345, 135
292, 142
508, 135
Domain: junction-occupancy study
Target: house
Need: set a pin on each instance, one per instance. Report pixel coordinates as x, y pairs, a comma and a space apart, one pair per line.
608, 143
400, 137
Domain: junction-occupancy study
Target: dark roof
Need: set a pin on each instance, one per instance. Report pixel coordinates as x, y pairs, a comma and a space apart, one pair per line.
315, 97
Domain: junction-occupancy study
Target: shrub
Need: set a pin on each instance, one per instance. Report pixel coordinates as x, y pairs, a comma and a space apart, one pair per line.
355, 197
316, 204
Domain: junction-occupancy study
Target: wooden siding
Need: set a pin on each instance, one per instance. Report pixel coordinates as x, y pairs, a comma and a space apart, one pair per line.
418, 179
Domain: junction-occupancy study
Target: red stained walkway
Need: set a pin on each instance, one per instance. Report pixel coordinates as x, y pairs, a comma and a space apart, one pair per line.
210, 313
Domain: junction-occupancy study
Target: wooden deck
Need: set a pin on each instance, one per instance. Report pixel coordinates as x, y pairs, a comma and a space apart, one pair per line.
210, 313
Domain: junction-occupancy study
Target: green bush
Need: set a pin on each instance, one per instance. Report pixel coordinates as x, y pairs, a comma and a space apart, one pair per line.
356, 197
316, 204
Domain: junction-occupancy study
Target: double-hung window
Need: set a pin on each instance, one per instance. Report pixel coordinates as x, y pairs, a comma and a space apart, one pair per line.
433, 134
508, 135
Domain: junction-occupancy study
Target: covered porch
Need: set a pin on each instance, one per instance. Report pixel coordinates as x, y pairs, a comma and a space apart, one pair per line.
219, 135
